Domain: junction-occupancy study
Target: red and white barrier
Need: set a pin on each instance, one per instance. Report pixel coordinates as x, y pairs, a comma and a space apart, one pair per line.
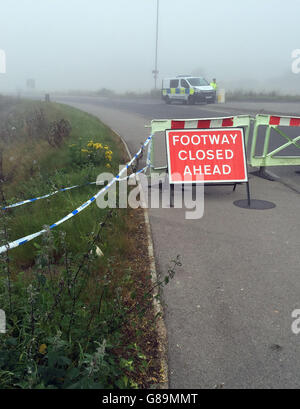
162, 125
284, 120
202, 123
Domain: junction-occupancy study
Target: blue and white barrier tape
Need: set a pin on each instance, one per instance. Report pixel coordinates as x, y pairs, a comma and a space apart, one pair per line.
130, 176
63, 190
148, 161
44, 197
79, 209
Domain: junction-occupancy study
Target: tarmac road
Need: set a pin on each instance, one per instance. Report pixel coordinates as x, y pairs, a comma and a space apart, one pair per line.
228, 309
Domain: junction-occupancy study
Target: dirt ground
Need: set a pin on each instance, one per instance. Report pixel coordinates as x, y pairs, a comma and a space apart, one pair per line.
151, 376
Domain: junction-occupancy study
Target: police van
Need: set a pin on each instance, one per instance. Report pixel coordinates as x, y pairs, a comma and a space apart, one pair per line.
188, 90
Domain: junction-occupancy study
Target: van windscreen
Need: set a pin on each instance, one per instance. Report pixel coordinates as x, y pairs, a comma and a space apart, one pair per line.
197, 82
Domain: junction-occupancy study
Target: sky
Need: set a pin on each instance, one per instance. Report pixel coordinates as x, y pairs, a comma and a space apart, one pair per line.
91, 44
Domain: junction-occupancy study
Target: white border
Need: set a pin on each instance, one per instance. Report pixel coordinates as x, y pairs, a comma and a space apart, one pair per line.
206, 181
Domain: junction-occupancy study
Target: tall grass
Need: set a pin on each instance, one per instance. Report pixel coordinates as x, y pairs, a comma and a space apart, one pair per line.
35, 168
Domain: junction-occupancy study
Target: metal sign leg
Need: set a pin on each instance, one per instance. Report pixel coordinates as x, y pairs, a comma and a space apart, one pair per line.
248, 194
253, 204
172, 195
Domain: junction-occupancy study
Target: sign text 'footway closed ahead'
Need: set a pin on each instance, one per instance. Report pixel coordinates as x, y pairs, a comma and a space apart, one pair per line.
206, 155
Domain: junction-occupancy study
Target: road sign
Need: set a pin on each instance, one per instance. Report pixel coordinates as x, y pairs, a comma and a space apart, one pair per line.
206, 155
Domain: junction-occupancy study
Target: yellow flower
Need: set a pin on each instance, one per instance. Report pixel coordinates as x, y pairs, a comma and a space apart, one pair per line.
42, 349
84, 150
108, 165
106, 147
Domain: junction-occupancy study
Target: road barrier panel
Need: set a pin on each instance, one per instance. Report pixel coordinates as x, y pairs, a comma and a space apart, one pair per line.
160, 126
270, 158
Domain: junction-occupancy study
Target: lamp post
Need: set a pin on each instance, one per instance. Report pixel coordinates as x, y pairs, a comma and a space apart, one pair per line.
155, 71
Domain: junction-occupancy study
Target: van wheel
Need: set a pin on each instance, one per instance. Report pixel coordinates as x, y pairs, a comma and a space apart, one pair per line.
168, 101
191, 100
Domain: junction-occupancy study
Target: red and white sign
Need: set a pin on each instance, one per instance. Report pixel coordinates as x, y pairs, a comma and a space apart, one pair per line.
206, 155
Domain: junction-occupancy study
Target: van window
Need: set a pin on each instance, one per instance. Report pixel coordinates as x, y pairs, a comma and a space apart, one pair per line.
184, 84
197, 82
174, 83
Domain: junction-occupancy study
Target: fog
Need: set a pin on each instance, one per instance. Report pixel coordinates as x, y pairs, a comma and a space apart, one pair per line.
90, 44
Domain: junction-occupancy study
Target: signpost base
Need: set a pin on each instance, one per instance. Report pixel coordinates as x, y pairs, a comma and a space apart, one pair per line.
255, 204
